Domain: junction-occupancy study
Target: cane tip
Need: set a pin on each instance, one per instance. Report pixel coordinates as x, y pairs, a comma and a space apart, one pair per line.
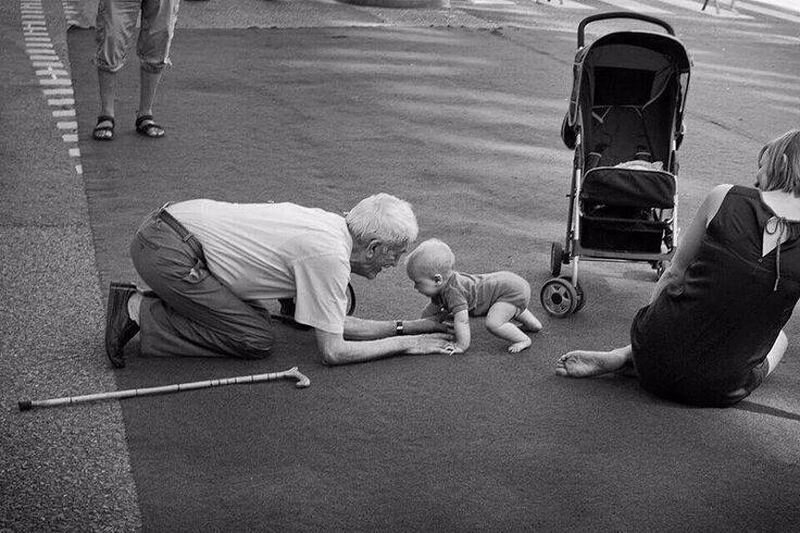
25, 405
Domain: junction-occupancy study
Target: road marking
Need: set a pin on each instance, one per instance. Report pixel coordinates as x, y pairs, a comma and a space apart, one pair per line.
745, 6
53, 77
693, 5
55, 81
637, 7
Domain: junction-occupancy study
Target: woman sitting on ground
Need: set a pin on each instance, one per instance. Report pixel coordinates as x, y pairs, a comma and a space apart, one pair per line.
713, 328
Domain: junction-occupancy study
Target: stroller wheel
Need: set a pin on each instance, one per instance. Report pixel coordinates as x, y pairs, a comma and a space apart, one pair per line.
581, 297
559, 297
556, 258
660, 267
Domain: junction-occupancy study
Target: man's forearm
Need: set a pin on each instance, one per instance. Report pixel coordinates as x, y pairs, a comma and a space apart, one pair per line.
361, 329
369, 350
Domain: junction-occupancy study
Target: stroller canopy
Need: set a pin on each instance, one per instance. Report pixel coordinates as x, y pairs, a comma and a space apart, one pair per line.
627, 69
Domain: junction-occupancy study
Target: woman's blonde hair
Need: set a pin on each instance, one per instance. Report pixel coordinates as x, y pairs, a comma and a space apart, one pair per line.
431, 257
383, 217
783, 163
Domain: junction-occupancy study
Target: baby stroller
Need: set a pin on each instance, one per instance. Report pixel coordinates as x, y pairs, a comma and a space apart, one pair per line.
625, 124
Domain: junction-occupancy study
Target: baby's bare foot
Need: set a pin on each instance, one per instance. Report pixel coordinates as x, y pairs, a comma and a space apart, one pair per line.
519, 346
583, 364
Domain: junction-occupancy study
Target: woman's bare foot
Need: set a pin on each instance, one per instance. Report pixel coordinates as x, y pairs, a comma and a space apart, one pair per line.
519, 346
584, 364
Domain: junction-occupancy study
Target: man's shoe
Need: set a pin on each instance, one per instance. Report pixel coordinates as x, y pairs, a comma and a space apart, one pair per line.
119, 326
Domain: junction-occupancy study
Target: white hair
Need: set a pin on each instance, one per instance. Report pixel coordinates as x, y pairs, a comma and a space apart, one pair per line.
383, 217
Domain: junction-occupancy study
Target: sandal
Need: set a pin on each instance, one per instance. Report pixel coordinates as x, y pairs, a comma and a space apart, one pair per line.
145, 125
103, 133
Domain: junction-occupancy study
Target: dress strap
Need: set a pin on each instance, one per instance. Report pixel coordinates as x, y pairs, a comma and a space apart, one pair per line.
780, 227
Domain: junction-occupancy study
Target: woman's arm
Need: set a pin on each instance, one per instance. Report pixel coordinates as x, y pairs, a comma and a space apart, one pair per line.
689, 245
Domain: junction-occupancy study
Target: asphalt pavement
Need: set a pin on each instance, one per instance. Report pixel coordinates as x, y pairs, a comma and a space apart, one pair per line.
70, 469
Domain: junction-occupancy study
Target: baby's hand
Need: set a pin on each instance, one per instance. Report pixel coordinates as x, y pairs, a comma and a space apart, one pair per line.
453, 349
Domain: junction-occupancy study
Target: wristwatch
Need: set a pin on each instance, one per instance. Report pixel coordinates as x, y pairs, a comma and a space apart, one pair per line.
398, 327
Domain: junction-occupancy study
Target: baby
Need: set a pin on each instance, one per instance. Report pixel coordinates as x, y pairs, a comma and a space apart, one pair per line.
500, 296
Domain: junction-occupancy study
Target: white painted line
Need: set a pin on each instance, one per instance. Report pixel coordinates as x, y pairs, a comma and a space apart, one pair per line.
64, 113
43, 51
43, 58
29, 40
70, 125
50, 92
79, 169
74, 152
56, 81
52, 72
70, 137
32, 16
57, 64
38, 45
60, 101
632, 5
744, 6
569, 4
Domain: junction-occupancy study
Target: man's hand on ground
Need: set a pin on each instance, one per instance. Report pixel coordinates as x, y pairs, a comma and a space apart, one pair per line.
433, 343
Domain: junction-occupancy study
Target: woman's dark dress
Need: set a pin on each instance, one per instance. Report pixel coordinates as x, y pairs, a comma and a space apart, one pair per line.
704, 340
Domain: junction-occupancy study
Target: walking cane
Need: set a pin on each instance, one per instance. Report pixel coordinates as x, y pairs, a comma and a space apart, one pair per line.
294, 373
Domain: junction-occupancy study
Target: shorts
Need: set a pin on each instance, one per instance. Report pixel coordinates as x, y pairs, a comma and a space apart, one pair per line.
116, 27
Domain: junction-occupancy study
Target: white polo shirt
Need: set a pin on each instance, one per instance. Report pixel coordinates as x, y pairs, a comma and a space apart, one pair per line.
276, 250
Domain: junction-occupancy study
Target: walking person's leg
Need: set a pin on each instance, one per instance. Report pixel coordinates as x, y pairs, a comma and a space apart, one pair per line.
116, 24
155, 38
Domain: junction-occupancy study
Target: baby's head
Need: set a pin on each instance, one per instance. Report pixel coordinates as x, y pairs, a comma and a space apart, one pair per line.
429, 266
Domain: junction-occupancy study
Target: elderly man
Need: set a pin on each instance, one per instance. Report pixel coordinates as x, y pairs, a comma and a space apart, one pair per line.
213, 267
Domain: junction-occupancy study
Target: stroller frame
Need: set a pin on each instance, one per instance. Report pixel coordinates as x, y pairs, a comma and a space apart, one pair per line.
621, 208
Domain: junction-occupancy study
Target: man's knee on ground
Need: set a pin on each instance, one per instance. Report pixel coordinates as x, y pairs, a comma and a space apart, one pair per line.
252, 346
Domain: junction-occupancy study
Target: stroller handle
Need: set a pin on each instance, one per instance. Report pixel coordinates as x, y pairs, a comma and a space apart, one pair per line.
620, 15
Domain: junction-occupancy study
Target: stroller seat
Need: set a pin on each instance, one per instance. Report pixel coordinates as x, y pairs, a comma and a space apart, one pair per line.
626, 209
